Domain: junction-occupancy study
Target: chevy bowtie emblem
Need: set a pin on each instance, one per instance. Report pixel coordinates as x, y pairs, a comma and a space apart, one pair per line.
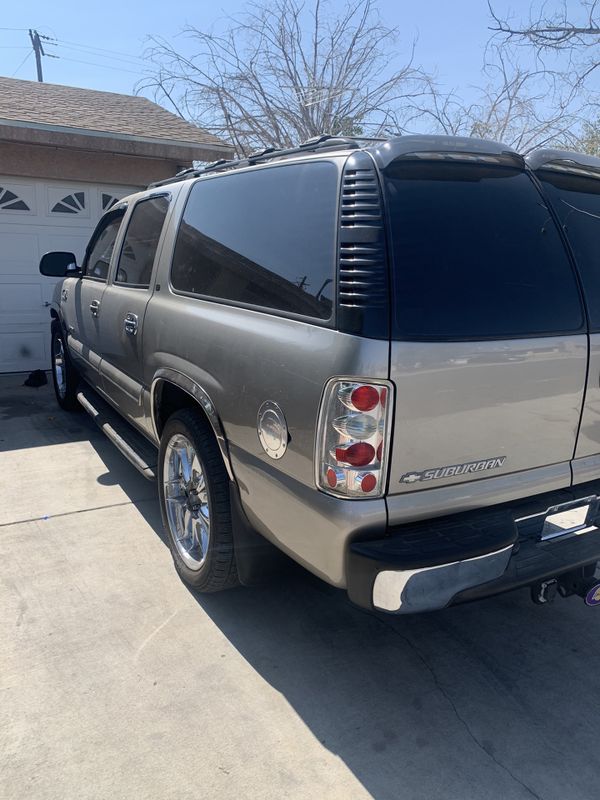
453, 470
411, 477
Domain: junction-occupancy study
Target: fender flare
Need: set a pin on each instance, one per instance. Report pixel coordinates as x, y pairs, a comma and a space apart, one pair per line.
201, 396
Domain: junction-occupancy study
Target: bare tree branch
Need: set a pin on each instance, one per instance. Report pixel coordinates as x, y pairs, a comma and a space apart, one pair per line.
278, 74
553, 30
284, 71
512, 107
569, 34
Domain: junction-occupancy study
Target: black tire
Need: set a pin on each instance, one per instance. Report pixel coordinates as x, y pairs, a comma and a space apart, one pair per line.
67, 398
218, 570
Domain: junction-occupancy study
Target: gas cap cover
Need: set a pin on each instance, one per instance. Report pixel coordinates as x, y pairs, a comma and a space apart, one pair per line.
272, 429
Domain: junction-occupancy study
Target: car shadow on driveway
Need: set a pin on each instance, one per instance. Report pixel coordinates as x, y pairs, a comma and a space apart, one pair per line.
494, 699
30, 417
119, 472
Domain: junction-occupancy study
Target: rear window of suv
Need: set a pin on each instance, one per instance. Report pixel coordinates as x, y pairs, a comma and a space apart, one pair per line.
576, 200
264, 239
476, 255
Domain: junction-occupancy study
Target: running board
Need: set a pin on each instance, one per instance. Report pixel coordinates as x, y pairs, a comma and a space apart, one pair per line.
135, 447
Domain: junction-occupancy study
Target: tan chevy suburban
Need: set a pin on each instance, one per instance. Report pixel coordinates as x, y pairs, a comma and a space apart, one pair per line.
379, 357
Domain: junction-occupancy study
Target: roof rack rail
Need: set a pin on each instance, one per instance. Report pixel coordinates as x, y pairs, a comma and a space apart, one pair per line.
264, 152
325, 140
325, 136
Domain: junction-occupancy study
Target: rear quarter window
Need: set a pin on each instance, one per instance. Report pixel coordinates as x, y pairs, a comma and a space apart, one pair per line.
476, 255
265, 239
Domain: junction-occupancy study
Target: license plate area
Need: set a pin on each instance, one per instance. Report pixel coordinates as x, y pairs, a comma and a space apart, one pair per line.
568, 519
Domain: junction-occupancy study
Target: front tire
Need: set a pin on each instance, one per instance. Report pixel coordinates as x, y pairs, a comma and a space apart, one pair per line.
64, 374
195, 504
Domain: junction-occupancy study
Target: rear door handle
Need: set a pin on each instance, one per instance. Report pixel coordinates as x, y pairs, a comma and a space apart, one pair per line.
95, 307
131, 324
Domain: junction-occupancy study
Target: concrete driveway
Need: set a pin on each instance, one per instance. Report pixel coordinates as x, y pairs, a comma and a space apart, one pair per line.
117, 682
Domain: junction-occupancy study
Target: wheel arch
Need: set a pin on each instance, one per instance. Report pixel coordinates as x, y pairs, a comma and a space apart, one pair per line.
172, 390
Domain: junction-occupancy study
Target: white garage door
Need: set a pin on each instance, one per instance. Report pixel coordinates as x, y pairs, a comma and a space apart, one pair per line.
35, 217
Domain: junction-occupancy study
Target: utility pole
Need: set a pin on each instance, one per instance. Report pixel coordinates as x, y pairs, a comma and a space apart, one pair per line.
39, 52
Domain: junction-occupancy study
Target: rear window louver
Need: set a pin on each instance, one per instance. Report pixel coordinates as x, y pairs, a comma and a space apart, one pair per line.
363, 294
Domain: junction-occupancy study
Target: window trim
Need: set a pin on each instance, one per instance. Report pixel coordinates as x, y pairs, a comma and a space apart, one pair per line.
274, 312
398, 336
113, 272
329, 322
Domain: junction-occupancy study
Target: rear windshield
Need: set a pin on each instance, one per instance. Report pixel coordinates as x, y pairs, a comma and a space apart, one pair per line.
476, 255
576, 200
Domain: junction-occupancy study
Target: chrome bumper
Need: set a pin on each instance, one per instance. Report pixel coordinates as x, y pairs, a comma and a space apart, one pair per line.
428, 565
431, 588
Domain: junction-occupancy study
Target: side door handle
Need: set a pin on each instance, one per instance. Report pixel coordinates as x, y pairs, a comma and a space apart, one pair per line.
95, 307
131, 324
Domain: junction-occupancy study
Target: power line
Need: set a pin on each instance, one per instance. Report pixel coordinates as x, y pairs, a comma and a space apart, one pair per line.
133, 61
114, 56
102, 66
91, 48
29, 54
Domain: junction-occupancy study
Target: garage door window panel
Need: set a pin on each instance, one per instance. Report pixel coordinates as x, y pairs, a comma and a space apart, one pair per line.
108, 200
140, 245
102, 244
73, 203
9, 201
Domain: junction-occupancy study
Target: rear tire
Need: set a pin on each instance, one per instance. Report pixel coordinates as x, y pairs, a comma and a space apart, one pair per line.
64, 375
195, 505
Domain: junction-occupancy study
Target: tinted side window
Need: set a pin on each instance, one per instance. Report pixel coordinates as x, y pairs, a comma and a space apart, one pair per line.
101, 247
141, 240
264, 238
476, 255
576, 200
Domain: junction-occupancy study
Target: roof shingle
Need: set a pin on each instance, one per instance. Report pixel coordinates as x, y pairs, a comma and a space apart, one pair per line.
88, 109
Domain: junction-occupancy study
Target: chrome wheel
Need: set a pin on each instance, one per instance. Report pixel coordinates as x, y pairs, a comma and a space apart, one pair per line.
59, 367
186, 501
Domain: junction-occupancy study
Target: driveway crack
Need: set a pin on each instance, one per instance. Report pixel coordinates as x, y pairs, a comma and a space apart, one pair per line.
45, 517
440, 687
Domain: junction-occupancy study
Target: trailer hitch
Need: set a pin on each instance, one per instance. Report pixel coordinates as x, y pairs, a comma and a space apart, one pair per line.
581, 582
545, 592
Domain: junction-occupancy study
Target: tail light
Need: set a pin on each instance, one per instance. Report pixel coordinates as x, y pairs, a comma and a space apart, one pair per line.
353, 434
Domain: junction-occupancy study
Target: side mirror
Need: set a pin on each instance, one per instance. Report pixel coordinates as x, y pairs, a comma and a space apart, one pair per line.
59, 265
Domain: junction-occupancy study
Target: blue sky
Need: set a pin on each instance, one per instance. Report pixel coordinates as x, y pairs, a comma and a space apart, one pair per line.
451, 37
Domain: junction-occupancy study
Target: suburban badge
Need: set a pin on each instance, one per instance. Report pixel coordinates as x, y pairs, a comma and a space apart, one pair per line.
452, 471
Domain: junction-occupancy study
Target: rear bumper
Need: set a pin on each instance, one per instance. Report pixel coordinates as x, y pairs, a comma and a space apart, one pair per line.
429, 565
